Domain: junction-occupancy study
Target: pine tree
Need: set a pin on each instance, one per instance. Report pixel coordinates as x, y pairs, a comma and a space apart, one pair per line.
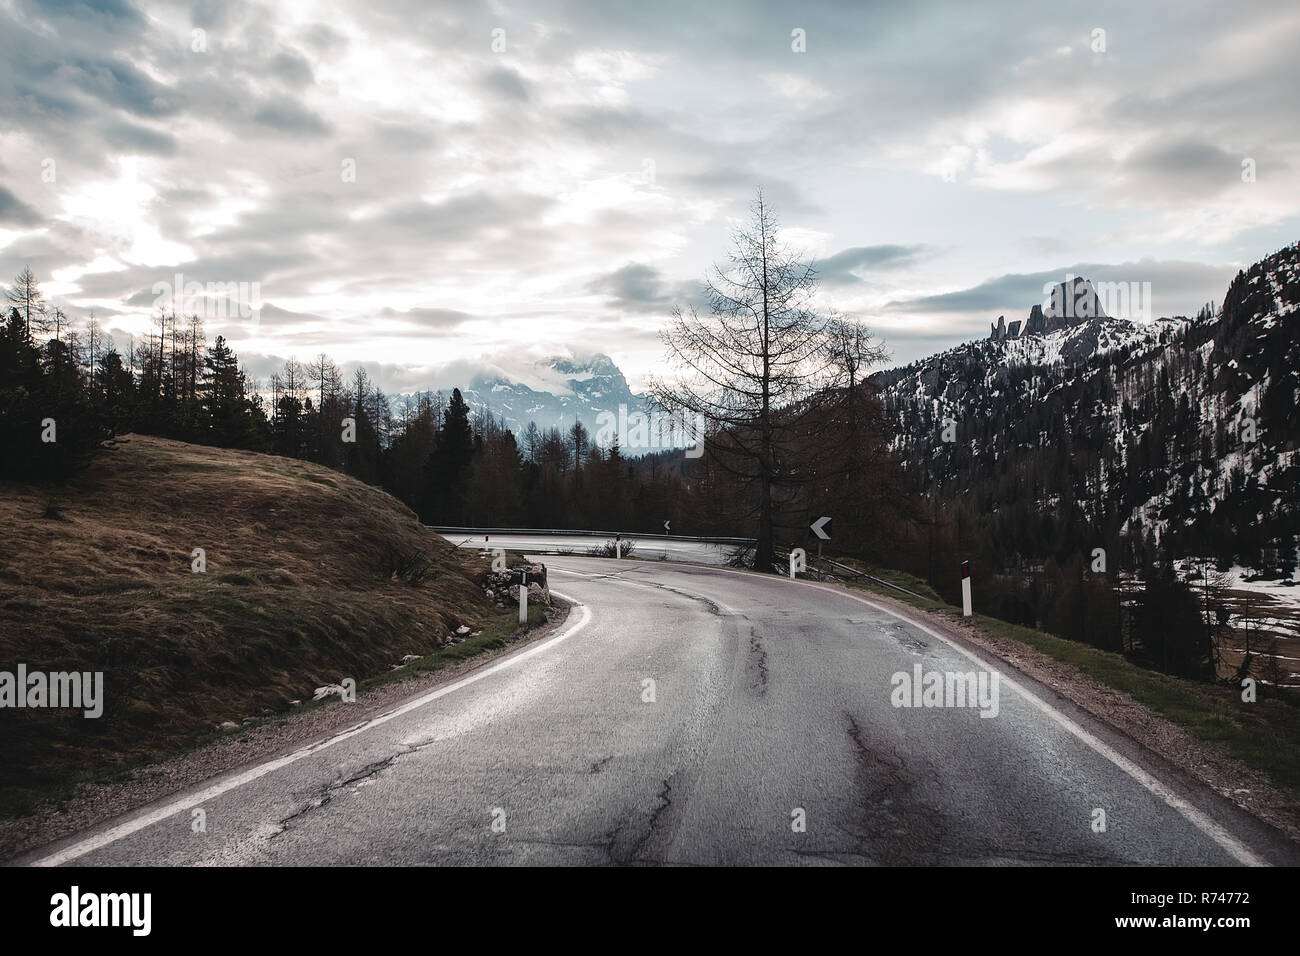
27, 299
448, 469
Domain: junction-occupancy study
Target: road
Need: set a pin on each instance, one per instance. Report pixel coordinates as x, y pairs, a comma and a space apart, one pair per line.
770, 706
668, 549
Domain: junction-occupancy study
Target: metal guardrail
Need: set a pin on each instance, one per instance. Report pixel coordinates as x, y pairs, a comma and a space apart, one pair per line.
872, 577
543, 532
590, 534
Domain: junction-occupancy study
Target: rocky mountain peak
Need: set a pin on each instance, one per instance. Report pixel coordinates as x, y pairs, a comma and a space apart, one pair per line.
1072, 302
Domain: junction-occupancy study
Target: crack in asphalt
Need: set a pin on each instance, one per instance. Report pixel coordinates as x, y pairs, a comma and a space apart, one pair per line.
758, 657
894, 826
712, 606
656, 818
325, 795
605, 843
897, 826
869, 760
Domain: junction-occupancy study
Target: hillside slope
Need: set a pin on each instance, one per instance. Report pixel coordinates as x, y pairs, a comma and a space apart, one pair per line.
1180, 434
298, 593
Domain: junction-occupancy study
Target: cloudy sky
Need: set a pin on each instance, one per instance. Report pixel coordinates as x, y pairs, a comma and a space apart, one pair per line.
434, 187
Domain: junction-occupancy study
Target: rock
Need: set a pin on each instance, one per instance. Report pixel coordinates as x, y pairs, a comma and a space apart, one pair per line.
463, 629
1036, 324
498, 581
249, 720
409, 658
329, 690
227, 725
295, 703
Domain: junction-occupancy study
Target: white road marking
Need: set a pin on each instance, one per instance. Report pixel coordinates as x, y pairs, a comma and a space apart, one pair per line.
134, 825
1230, 844
1210, 828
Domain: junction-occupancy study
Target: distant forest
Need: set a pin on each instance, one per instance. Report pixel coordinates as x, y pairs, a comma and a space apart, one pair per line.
65, 390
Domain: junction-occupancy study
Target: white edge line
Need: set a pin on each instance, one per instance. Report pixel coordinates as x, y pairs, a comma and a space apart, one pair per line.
1226, 841
1230, 844
112, 835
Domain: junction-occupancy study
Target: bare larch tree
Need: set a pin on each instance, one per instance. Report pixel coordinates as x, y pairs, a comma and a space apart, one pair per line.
750, 365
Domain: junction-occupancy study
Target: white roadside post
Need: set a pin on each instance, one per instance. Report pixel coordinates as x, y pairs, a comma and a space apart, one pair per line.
965, 589
618, 547
523, 598
798, 561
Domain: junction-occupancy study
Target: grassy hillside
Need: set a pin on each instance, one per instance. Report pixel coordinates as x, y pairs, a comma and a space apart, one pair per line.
298, 593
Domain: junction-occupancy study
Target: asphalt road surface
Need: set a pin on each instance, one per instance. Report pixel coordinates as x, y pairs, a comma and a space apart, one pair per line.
768, 736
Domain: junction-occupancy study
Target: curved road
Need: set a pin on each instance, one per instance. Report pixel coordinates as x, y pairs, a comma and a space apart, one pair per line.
770, 707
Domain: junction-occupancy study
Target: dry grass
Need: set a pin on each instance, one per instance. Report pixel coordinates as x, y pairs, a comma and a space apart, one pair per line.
294, 597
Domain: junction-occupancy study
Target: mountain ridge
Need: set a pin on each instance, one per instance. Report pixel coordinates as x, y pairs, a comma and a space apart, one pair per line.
1180, 431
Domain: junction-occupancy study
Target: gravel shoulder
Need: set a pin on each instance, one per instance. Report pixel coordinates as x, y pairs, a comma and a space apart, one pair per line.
94, 804
1172, 746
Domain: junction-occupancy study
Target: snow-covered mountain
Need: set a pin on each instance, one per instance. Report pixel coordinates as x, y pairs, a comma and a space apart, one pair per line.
1176, 431
562, 391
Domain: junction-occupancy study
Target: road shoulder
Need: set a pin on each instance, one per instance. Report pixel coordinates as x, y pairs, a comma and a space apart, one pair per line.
1156, 743
95, 804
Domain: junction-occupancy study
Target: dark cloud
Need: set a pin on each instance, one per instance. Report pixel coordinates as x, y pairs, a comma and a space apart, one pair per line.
14, 211
637, 287
323, 39
1177, 287
429, 318
1179, 168
506, 83
117, 83
130, 138
515, 184
292, 69
841, 268
285, 116
401, 134
114, 11
461, 216
709, 171
275, 317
